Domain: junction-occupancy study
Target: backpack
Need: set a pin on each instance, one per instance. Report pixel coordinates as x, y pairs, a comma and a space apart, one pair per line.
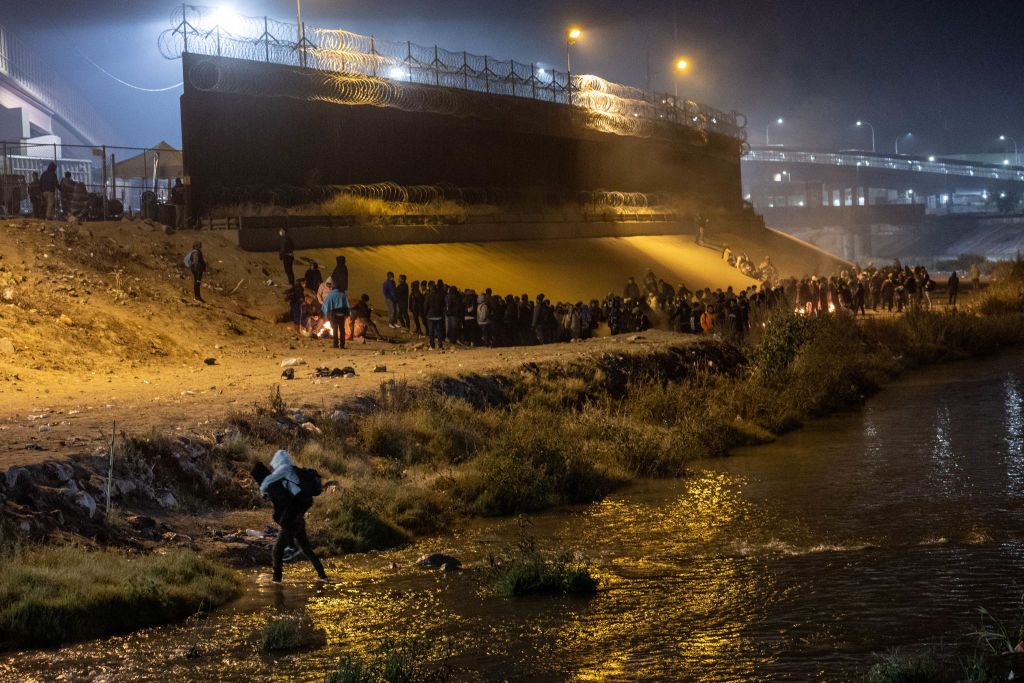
188, 259
310, 482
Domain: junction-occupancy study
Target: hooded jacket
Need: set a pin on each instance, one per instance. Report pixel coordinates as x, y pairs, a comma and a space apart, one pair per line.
284, 472
340, 275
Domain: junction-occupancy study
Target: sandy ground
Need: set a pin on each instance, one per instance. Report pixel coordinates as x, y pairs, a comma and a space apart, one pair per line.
97, 323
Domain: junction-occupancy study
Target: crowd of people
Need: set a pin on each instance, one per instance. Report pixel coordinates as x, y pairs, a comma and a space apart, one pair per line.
446, 314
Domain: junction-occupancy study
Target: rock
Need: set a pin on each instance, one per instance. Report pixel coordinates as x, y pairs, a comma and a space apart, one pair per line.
8, 294
6, 347
437, 561
380, 368
15, 476
451, 566
289, 373
60, 471
168, 501
65, 320
84, 501
636, 337
339, 417
292, 362
210, 361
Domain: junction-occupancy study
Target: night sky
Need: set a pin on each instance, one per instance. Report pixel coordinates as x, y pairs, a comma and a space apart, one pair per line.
950, 72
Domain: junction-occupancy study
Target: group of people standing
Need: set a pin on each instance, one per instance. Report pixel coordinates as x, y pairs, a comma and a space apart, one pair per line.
45, 191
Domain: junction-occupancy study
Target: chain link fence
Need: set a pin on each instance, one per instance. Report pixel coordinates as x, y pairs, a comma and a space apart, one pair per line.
103, 182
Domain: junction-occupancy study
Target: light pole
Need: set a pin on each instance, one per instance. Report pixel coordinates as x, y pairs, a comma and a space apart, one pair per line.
682, 64
571, 36
767, 130
865, 123
1016, 154
900, 137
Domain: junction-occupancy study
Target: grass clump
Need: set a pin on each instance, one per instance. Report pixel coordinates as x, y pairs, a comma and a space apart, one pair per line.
55, 595
345, 524
394, 662
525, 571
288, 632
898, 667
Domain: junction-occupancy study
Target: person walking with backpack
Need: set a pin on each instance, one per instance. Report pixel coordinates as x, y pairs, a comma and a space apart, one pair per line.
390, 291
302, 485
196, 264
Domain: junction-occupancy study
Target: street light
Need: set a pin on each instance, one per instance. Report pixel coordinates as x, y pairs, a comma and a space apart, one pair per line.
682, 64
900, 137
767, 129
865, 123
1016, 154
573, 34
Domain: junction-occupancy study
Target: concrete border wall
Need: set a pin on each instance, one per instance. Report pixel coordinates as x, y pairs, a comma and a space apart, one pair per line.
264, 237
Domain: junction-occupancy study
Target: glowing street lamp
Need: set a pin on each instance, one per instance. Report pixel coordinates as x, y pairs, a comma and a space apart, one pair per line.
900, 137
682, 64
573, 34
1016, 154
767, 130
865, 123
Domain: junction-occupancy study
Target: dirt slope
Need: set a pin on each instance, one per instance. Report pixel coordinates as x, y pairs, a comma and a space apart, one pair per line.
97, 323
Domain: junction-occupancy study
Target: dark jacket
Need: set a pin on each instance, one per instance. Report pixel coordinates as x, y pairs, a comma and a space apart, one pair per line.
48, 181
198, 264
313, 279
279, 497
417, 301
340, 275
402, 293
287, 246
434, 304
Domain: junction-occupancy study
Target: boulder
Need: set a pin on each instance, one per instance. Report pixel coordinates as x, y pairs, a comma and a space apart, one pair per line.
292, 362
84, 501
6, 347
438, 561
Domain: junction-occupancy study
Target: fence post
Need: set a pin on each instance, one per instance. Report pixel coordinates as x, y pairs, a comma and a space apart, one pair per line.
437, 68
373, 53
533, 79
103, 159
218, 40
487, 76
184, 26
408, 58
465, 71
113, 178
266, 37
110, 466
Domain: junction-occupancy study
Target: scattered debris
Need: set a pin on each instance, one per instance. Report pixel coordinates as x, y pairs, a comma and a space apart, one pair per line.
210, 361
288, 374
292, 362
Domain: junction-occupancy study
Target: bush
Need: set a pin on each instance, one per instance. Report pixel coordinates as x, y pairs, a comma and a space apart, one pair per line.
61, 594
897, 667
343, 524
394, 662
525, 571
285, 633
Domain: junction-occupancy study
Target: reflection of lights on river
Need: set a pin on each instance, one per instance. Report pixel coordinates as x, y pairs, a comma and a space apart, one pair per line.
711, 587
1014, 436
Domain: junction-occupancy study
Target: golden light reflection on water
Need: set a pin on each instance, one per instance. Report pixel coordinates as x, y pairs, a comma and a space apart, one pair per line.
696, 605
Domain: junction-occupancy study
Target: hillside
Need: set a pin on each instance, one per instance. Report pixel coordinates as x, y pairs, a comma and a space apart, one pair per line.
98, 324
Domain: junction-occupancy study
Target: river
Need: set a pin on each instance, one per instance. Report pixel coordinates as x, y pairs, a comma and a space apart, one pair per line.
884, 527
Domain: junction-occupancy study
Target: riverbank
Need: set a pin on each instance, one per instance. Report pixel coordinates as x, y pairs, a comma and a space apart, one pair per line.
413, 460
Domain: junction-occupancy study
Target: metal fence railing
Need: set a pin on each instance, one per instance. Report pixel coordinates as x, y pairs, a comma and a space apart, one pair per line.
374, 69
110, 181
22, 66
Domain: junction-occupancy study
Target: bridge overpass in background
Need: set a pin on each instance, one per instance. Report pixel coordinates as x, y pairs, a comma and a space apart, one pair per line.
775, 177
37, 104
866, 205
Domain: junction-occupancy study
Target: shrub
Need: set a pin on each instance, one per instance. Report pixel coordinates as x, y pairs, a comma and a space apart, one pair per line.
280, 633
525, 571
59, 594
897, 667
343, 524
394, 662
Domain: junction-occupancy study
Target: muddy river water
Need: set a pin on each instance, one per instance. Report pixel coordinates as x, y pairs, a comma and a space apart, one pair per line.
797, 560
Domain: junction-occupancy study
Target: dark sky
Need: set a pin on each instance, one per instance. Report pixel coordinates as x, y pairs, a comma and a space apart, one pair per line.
952, 73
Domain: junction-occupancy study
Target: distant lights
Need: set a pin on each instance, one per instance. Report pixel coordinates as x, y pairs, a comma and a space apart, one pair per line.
931, 159
1006, 162
397, 73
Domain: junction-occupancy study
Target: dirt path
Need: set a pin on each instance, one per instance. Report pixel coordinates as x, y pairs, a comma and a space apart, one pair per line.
39, 422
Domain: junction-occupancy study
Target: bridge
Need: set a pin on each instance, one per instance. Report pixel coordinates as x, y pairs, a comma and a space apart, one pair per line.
35, 102
863, 205
781, 177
